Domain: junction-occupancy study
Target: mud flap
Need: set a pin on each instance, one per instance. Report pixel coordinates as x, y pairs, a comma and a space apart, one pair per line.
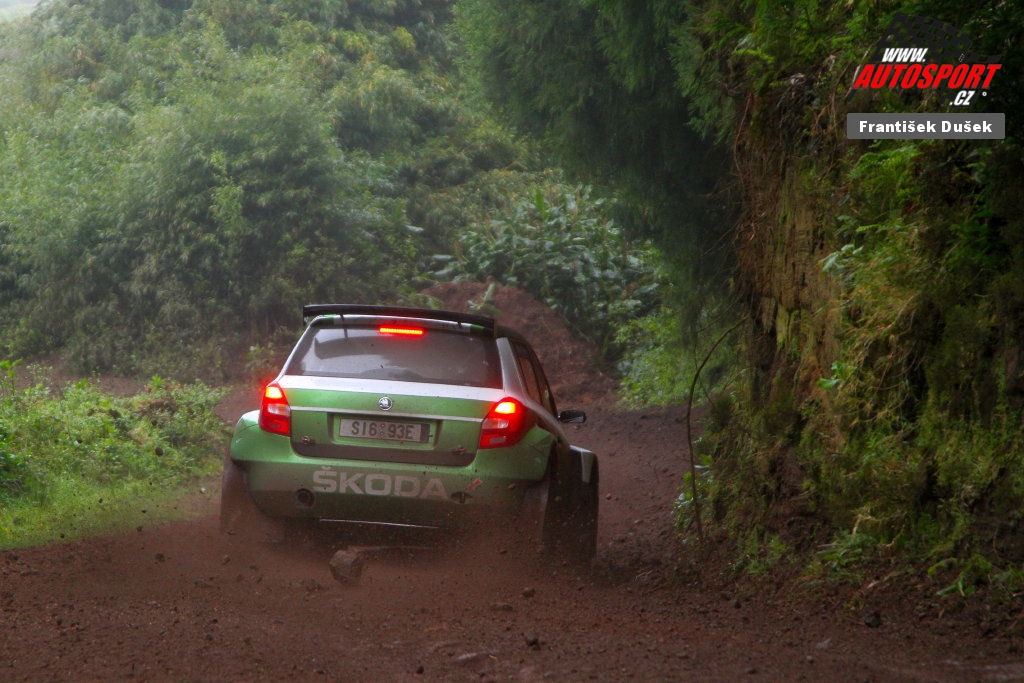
584, 502
559, 514
587, 463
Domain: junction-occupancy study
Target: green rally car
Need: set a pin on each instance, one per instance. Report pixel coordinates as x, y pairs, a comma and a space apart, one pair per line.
412, 417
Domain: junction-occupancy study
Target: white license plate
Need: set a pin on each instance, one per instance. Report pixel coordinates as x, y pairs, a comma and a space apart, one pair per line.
383, 429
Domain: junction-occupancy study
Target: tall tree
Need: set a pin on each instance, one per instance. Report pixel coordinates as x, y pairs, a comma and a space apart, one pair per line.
596, 80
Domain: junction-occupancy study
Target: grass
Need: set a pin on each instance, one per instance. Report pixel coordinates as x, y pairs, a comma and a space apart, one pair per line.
74, 510
76, 462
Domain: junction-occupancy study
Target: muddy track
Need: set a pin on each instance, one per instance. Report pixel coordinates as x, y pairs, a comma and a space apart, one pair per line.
182, 602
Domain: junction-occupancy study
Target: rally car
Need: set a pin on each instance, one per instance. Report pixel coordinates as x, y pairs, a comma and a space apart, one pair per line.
416, 418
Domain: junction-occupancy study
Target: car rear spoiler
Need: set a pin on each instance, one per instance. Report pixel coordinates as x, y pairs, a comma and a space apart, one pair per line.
311, 311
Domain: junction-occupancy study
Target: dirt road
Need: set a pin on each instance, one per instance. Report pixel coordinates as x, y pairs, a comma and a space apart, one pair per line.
181, 602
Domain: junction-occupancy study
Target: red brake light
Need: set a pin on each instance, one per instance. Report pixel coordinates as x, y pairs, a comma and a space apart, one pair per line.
506, 407
506, 423
275, 413
397, 331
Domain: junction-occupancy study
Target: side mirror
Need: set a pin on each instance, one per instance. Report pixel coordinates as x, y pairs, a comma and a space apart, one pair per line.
575, 417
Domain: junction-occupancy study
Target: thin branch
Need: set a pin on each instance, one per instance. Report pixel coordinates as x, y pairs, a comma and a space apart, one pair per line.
697, 511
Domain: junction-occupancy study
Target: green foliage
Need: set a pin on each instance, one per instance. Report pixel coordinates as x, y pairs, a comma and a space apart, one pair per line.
249, 189
844, 555
653, 360
381, 108
884, 390
52, 443
597, 80
164, 434
170, 167
562, 246
690, 505
663, 352
928, 428
760, 554
882, 282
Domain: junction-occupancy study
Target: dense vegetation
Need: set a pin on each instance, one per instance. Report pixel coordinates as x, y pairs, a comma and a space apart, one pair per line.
881, 284
78, 460
883, 287
179, 175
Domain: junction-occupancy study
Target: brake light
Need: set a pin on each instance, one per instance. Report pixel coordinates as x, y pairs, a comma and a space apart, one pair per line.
275, 413
396, 331
506, 423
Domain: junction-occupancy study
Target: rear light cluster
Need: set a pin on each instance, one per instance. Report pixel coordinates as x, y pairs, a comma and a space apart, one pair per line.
506, 423
275, 413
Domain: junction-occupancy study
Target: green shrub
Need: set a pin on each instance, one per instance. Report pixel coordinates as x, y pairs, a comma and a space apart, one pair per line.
562, 246
164, 435
665, 350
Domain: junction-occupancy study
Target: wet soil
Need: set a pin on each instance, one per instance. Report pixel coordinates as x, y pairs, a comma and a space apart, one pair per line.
182, 602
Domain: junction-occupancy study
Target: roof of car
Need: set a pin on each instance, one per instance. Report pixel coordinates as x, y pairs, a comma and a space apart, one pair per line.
487, 324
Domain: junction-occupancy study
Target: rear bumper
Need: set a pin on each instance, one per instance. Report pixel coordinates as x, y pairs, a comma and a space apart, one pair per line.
285, 484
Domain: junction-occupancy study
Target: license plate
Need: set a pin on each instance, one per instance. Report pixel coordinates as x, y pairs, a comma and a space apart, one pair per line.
385, 430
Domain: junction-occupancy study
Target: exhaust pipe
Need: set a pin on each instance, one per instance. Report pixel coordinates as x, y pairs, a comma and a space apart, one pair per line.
304, 499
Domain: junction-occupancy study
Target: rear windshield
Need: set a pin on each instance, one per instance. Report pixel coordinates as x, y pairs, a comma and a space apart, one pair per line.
437, 357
